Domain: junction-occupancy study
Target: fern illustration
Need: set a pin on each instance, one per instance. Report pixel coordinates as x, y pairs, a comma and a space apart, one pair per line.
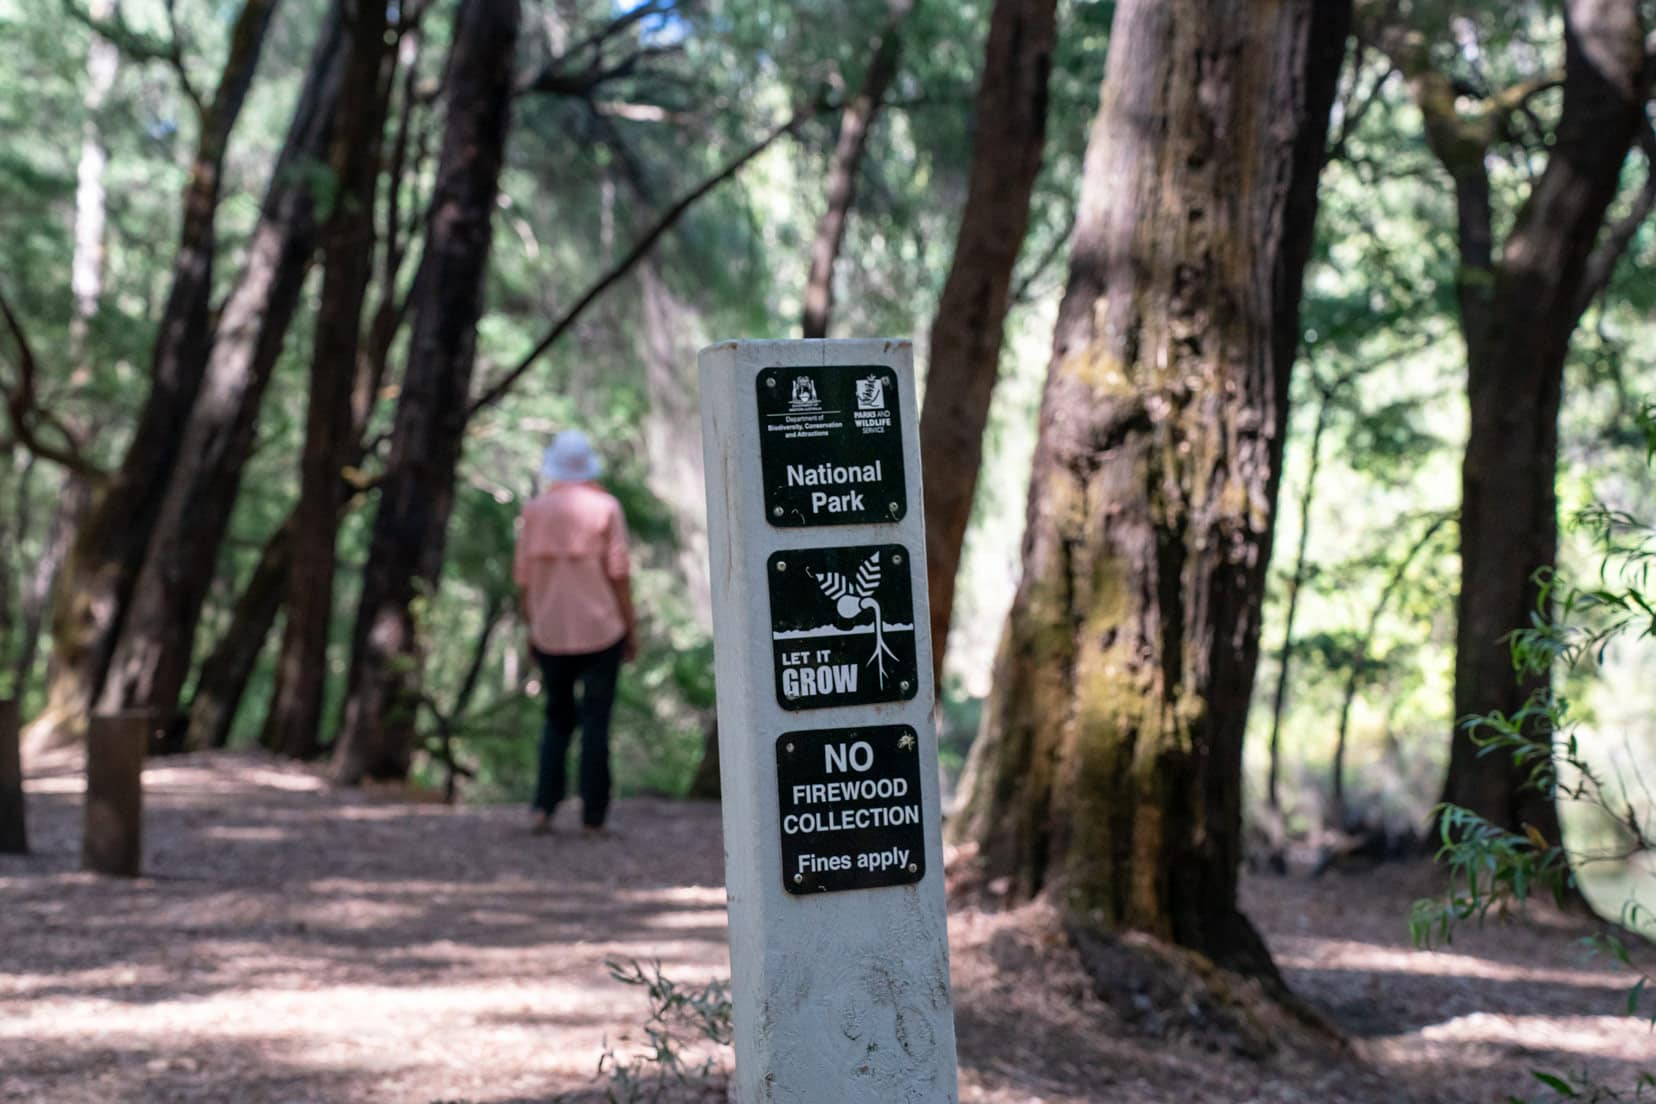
852, 596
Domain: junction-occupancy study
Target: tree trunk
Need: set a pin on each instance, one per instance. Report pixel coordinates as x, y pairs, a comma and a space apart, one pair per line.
1108, 773
706, 784
1359, 660
294, 723
417, 493
108, 550
86, 280
1516, 359
73, 501
12, 537
112, 835
14, 832
152, 657
856, 122
86, 264
667, 342
1296, 581
966, 333
228, 667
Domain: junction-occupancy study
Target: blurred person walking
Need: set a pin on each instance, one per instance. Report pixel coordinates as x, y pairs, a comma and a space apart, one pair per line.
574, 582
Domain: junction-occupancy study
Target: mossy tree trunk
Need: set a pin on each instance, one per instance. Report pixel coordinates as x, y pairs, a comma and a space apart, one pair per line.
151, 660
103, 562
1107, 776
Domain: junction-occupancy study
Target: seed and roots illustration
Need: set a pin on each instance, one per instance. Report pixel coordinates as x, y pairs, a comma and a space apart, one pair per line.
853, 597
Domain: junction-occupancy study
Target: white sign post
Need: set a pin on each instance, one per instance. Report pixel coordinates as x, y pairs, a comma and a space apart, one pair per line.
828, 759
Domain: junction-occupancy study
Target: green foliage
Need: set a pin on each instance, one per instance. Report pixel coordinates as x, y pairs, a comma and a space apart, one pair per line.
1493, 868
1581, 1086
683, 1020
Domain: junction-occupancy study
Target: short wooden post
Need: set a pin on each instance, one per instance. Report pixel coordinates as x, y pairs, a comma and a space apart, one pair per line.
833, 860
113, 838
14, 834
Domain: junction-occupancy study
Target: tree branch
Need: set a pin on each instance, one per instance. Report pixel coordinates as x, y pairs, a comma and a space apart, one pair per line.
596, 40
1457, 138
496, 391
557, 81
1020, 293
1517, 96
22, 408
1602, 261
1357, 109
175, 59
142, 47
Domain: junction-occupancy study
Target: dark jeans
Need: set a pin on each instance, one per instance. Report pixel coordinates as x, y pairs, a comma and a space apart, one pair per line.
596, 672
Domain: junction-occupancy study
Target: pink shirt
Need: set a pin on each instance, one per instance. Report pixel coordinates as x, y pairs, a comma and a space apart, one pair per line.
571, 545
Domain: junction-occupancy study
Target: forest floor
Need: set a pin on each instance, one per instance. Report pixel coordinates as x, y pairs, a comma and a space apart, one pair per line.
291, 943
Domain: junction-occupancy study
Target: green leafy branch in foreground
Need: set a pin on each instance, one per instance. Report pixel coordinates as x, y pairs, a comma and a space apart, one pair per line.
683, 1021
1582, 1088
1493, 869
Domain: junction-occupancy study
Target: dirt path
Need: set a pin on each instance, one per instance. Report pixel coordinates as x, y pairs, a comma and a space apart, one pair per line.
293, 943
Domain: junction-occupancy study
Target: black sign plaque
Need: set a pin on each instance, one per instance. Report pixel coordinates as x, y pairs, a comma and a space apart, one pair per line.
842, 626
831, 445
849, 800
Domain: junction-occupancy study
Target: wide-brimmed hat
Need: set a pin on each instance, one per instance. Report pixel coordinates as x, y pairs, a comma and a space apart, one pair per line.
570, 459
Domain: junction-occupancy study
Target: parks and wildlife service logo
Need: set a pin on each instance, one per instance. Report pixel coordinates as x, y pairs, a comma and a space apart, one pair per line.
871, 393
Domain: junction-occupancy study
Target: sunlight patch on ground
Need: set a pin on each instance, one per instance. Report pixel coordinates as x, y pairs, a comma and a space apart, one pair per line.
245, 834
383, 1022
247, 777
1583, 1035
690, 919
1307, 953
57, 784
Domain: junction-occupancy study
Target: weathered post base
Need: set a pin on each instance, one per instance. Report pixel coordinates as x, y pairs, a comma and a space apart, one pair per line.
112, 842
14, 833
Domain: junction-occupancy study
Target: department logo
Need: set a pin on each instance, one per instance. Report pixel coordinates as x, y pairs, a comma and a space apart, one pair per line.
871, 393
804, 394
